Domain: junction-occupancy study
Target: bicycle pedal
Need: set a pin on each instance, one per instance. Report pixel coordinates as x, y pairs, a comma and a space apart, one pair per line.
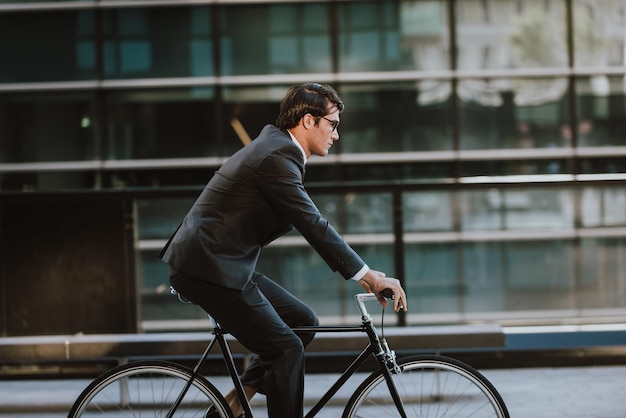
211, 413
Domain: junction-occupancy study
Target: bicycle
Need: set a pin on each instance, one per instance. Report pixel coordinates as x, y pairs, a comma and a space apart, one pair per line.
414, 386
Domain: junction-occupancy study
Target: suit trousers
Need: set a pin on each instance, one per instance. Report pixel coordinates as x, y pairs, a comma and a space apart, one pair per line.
260, 317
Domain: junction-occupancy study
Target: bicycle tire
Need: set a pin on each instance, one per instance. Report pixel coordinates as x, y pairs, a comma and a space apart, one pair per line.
429, 386
147, 389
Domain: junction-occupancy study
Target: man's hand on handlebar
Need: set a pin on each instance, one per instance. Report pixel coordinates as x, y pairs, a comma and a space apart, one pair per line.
376, 282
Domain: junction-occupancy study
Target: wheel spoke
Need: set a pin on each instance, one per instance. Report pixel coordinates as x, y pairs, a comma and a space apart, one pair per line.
147, 389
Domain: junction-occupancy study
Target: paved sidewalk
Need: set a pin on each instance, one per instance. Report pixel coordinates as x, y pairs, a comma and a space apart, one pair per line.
579, 392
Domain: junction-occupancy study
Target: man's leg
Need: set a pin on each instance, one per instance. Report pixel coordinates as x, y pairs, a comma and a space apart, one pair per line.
291, 310
250, 317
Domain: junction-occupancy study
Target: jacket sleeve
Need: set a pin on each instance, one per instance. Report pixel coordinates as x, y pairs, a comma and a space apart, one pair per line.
280, 180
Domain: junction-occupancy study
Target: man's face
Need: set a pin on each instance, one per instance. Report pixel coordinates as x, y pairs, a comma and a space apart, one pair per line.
324, 134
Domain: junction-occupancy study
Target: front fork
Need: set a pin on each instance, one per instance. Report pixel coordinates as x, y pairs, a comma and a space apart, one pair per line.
389, 357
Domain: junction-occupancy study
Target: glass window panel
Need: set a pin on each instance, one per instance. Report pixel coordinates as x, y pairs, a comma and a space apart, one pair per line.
484, 281
519, 276
246, 110
304, 273
161, 123
517, 209
480, 210
601, 111
431, 278
275, 39
603, 206
157, 303
539, 275
513, 113
43, 127
396, 117
41, 180
333, 208
515, 167
158, 42
540, 209
604, 165
603, 275
61, 48
321, 173
599, 28
357, 213
369, 213
394, 171
428, 211
388, 36
158, 218
196, 176
505, 34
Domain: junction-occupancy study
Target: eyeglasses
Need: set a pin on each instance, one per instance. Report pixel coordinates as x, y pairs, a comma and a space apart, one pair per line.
334, 123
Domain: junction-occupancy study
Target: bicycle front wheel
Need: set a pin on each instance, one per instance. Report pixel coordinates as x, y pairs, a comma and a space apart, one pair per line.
429, 386
148, 389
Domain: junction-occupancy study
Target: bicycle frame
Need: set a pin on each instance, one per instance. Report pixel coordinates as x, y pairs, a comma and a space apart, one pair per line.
417, 383
380, 350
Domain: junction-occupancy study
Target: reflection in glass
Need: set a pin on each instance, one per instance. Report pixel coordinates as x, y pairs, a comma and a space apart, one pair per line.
513, 113
157, 42
599, 28
47, 46
603, 276
601, 112
368, 213
357, 213
506, 34
394, 117
305, 274
519, 275
161, 123
245, 111
484, 277
431, 280
603, 206
391, 36
275, 39
517, 209
428, 211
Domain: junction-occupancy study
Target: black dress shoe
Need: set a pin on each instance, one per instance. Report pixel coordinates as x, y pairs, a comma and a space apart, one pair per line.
212, 413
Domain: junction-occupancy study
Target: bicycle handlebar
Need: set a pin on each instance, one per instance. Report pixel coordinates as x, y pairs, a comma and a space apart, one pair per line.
361, 298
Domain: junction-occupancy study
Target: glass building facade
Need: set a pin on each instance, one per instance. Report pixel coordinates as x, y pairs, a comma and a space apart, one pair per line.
482, 156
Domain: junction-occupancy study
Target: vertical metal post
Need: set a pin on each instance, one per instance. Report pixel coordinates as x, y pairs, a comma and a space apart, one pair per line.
398, 245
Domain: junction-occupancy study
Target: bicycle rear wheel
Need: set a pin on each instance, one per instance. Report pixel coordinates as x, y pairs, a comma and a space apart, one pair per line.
147, 389
429, 386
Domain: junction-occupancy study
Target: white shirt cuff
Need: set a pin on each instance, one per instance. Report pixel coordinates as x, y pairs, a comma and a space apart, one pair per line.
359, 275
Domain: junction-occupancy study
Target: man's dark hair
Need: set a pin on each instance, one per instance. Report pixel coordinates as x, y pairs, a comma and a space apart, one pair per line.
306, 98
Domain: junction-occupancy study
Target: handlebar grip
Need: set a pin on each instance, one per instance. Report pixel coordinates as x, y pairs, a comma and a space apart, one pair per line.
388, 293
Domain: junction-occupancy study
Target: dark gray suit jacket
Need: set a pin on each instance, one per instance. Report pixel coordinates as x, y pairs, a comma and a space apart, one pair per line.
255, 197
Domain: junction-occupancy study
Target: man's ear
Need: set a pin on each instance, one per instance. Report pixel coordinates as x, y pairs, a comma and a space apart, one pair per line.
308, 121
